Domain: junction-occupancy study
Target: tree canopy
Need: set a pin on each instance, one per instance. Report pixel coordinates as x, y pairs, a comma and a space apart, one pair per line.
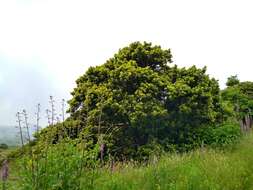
232, 80
240, 97
138, 97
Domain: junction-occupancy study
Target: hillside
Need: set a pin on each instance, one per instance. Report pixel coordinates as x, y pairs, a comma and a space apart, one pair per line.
223, 169
230, 168
9, 135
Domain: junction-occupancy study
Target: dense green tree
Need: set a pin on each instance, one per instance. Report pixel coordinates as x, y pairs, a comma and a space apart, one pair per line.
240, 97
247, 88
136, 98
232, 80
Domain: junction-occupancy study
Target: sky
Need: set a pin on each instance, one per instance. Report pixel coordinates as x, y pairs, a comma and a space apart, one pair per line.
46, 45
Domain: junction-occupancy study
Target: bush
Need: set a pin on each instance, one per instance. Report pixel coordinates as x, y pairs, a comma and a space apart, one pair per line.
220, 135
3, 146
54, 133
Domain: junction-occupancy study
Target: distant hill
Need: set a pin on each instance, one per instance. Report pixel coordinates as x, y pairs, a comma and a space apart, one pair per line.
10, 135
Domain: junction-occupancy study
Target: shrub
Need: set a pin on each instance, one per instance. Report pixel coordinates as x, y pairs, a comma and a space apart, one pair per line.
220, 135
3, 146
54, 133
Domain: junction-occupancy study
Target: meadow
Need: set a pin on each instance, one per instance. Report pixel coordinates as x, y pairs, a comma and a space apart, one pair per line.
226, 168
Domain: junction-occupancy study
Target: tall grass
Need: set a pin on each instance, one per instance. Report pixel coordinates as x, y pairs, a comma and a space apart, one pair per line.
59, 166
230, 168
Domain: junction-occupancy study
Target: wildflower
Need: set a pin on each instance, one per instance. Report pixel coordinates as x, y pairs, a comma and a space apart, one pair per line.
5, 171
102, 150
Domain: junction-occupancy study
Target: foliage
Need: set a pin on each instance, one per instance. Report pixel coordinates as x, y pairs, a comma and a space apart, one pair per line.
3, 146
220, 169
240, 96
222, 135
136, 98
59, 166
69, 129
201, 169
218, 135
232, 81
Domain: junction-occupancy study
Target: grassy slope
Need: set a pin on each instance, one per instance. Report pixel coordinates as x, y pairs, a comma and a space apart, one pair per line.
13, 174
202, 169
5, 152
231, 169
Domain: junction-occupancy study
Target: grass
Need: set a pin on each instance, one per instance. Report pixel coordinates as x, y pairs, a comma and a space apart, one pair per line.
5, 152
13, 179
230, 168
208, 169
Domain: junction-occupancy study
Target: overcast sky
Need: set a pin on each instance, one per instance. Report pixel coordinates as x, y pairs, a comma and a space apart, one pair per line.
46, 45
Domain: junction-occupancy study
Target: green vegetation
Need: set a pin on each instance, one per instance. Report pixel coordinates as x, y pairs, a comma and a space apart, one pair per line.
136, 101
239, 97
200, 169
3, 146
205, 168
138, 122
5, 153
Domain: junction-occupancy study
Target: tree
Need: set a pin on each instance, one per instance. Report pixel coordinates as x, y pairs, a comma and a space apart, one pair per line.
136, 98
232, 80
3, 146
240, 96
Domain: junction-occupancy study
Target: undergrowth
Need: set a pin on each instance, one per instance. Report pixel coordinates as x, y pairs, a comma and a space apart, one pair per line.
204, 168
